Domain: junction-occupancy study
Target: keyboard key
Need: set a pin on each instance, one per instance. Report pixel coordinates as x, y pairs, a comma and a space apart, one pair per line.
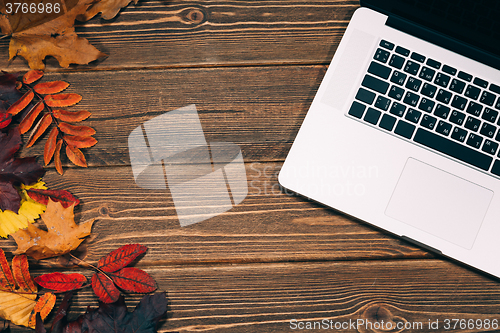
480, 82
417, 57
459, 102
387, 122
495, 88
404, 129
413, 83
457, 86
426, 105
490, 147
433, 63
427, 73
373, 83
453, 149
457, 117
413, 115
372, 116
488, 98
398, 78
474, 108
366, 96
488, 130
357, 109
379, 70
382, 103
474, 140
428, 90
490, 115
442, 80
465, 76
472, 124
397, 109
497, 106
496, 168
386, 44
428, 121
411, 67
411, 98
396, 61
459, 134
402, 51
449, 70
442, 111
443, 96
396, 93
443, 128
381, 55
472, 92
497, 137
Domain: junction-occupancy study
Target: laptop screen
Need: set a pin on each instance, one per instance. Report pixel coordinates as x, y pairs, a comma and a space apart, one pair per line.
476, 22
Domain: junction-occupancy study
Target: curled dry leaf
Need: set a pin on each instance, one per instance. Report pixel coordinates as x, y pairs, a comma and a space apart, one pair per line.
63, 235
71, 116
62, 100
57, 157
50, 146
52, 87
30, 118
108, 8
39, 129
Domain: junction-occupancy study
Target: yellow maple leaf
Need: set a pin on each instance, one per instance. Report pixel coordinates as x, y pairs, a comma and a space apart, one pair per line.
63, 235
18, 293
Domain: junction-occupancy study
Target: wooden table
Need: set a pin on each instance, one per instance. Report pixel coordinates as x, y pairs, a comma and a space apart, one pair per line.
252, 69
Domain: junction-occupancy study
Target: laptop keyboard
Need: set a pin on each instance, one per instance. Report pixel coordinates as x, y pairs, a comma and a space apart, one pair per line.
435, 105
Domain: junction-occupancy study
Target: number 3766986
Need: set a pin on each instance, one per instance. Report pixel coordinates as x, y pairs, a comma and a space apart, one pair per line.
32, 8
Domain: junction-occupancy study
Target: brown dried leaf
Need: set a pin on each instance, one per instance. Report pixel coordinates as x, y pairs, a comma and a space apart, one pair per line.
39, 129
71, 116
76, 156
52, 87
30, 118
108, 8
50, 146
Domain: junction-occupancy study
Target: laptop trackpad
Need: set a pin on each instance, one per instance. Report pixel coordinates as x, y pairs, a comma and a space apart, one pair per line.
439, 203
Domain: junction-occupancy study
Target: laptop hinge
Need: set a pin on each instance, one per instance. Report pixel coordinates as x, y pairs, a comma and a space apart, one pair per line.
444, 41
417, 243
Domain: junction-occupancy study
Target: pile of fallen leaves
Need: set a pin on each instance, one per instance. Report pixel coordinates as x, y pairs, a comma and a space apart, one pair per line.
40, 29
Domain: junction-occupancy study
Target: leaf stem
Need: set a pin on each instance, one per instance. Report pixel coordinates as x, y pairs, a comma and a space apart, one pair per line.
92, 266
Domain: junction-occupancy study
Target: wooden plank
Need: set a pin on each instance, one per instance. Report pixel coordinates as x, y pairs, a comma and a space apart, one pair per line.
157, 33
269, 225
268, 297
258, 108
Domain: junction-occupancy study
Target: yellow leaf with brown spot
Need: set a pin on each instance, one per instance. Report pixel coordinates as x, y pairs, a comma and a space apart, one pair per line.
63, 235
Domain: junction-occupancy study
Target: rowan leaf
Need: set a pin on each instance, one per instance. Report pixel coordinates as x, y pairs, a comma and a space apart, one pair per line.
134, 280
71, 116
32, 76
57, 157
104, 288
42, 196
21, 103
50, 146
62, 100
120, 257
43, 307
39, 129
20, 270
52, 87
9, 93
76, 156
61, 282
6, 277
76, 130
5, 119
80, 141
63, 235
30, 118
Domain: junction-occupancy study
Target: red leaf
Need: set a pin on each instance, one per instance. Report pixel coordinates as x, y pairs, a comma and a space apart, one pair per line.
134, 280
62, 100
61, 282
32, 76
21, 103
7, 281
71, 116
76, 156
30, 118
120, 257
52, 87
5, 119
20, 270
50, 146
57, 157
62, 196
104, 288
39, 129
76, 130
80, 141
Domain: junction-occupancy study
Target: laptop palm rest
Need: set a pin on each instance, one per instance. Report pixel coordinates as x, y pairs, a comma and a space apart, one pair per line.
439, 203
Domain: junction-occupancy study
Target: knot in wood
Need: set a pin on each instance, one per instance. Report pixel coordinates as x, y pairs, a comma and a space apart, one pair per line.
104, 211
195, 16
379, 319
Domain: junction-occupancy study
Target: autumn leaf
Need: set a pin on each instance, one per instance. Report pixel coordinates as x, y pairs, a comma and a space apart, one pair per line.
42, 196
71, 116
108, 8
30, 117
5, 119
50, 146
62, 236
134, 280
32, 76
120, 257
80, 141
39, 129
52, 87
21, 103
61, 282
62, 100
76, 130
104, 288
35, 36
8, 91
18, 293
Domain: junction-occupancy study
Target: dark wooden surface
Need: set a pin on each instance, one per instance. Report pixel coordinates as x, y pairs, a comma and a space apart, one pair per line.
252, 69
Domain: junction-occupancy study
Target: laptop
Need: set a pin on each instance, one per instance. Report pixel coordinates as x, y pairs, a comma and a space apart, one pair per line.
403, 132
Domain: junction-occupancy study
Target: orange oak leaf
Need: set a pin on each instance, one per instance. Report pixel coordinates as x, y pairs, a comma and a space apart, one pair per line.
63, 235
